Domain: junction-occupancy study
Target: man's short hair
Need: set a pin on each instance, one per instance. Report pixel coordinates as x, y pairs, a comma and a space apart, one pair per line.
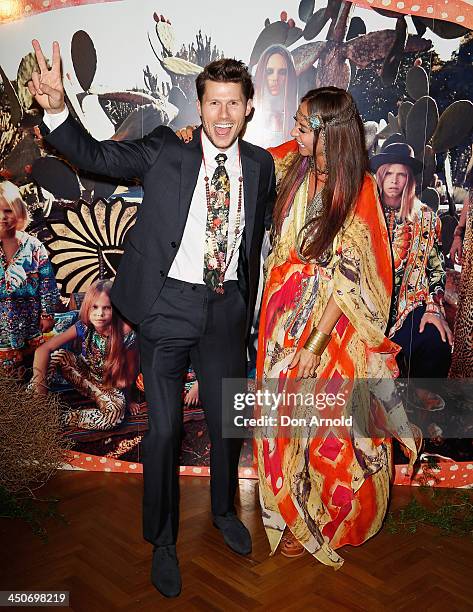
225, 70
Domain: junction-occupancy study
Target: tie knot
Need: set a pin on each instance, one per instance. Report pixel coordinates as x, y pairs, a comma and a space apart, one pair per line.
221, 158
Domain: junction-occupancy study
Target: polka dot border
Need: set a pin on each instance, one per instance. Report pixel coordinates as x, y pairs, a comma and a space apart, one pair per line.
459, 11
447, 474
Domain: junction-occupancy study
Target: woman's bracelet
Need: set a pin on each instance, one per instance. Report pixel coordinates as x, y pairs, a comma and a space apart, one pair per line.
434, 309
317, 342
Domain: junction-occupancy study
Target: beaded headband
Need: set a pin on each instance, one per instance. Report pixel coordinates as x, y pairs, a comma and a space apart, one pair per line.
317, 123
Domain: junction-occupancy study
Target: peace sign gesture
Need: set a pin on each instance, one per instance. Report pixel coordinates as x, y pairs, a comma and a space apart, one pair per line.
46, 87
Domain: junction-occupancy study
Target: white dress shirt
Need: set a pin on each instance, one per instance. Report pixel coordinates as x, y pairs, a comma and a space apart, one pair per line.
188, 265
54, 121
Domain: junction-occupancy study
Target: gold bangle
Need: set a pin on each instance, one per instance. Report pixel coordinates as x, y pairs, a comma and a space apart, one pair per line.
317, 342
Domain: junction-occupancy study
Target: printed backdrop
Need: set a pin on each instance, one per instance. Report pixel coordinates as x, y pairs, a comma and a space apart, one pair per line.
129, 68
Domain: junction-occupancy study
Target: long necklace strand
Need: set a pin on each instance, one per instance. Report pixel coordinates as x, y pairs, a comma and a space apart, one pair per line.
222, 270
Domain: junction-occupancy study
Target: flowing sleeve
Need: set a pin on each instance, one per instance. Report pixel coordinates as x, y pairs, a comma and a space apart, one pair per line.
362, 289
436, 272
363, 279
48, 291
283, 155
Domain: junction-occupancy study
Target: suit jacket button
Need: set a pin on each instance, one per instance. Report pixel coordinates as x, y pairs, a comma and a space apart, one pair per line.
161, 273
173, 244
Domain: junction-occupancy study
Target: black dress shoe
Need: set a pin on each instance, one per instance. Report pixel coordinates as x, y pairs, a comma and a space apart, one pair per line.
165, 574
235, 534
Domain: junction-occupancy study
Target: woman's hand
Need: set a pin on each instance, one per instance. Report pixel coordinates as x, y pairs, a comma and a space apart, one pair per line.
186, 133
440, 323
456, 250
135, 408
191, 398
306, 362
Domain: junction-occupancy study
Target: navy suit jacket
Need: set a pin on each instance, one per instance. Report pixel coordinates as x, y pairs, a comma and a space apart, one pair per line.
168, 170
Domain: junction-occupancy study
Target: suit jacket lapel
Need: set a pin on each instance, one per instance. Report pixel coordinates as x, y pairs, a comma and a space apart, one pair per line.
190, 168
250, 169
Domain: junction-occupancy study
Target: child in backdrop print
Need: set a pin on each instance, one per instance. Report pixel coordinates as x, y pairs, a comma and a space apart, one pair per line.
104, 368
28, 291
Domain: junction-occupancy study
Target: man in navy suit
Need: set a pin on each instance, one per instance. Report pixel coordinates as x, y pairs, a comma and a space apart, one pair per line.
188, 277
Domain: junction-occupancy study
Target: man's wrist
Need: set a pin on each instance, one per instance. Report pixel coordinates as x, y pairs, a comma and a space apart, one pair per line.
434, 309
55, 111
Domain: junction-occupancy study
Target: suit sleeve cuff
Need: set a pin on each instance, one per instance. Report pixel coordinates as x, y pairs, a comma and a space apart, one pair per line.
54, 121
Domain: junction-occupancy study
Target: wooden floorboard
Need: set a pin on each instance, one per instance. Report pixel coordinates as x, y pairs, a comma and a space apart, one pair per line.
100, 557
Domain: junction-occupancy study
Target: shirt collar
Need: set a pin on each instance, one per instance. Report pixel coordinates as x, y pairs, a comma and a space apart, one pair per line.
21, 236
211, 151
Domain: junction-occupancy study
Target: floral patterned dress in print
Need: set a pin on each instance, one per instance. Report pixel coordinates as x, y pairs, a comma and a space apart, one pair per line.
85, 373
27, 289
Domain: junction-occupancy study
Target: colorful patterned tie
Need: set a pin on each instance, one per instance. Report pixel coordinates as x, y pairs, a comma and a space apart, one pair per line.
216, 233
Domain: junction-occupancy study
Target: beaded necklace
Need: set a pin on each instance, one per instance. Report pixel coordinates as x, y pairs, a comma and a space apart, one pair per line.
390, 214
222, 267
314, 209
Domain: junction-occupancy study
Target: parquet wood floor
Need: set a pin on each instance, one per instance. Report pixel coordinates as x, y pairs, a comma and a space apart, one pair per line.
100, 557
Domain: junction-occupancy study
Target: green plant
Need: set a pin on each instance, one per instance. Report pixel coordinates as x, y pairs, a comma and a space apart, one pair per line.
450, 511
35, 512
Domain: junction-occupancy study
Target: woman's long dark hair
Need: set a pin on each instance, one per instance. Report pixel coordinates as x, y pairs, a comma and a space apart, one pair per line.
347, 163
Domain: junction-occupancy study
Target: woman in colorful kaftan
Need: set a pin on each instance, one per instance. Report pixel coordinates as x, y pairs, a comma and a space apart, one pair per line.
324, 315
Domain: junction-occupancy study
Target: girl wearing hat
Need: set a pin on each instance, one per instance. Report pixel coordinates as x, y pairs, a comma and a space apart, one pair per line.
417, 320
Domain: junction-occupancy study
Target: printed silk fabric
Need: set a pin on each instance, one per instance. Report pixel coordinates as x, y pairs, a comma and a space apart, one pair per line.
419, 265
27, 288
330, 490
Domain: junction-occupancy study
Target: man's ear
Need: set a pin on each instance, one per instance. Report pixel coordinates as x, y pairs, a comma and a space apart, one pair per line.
249, 107
199, 109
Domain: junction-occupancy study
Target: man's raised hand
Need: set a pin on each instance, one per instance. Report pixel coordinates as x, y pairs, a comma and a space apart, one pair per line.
46, 87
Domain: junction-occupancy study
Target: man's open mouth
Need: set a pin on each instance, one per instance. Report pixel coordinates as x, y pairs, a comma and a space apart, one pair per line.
223, 129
